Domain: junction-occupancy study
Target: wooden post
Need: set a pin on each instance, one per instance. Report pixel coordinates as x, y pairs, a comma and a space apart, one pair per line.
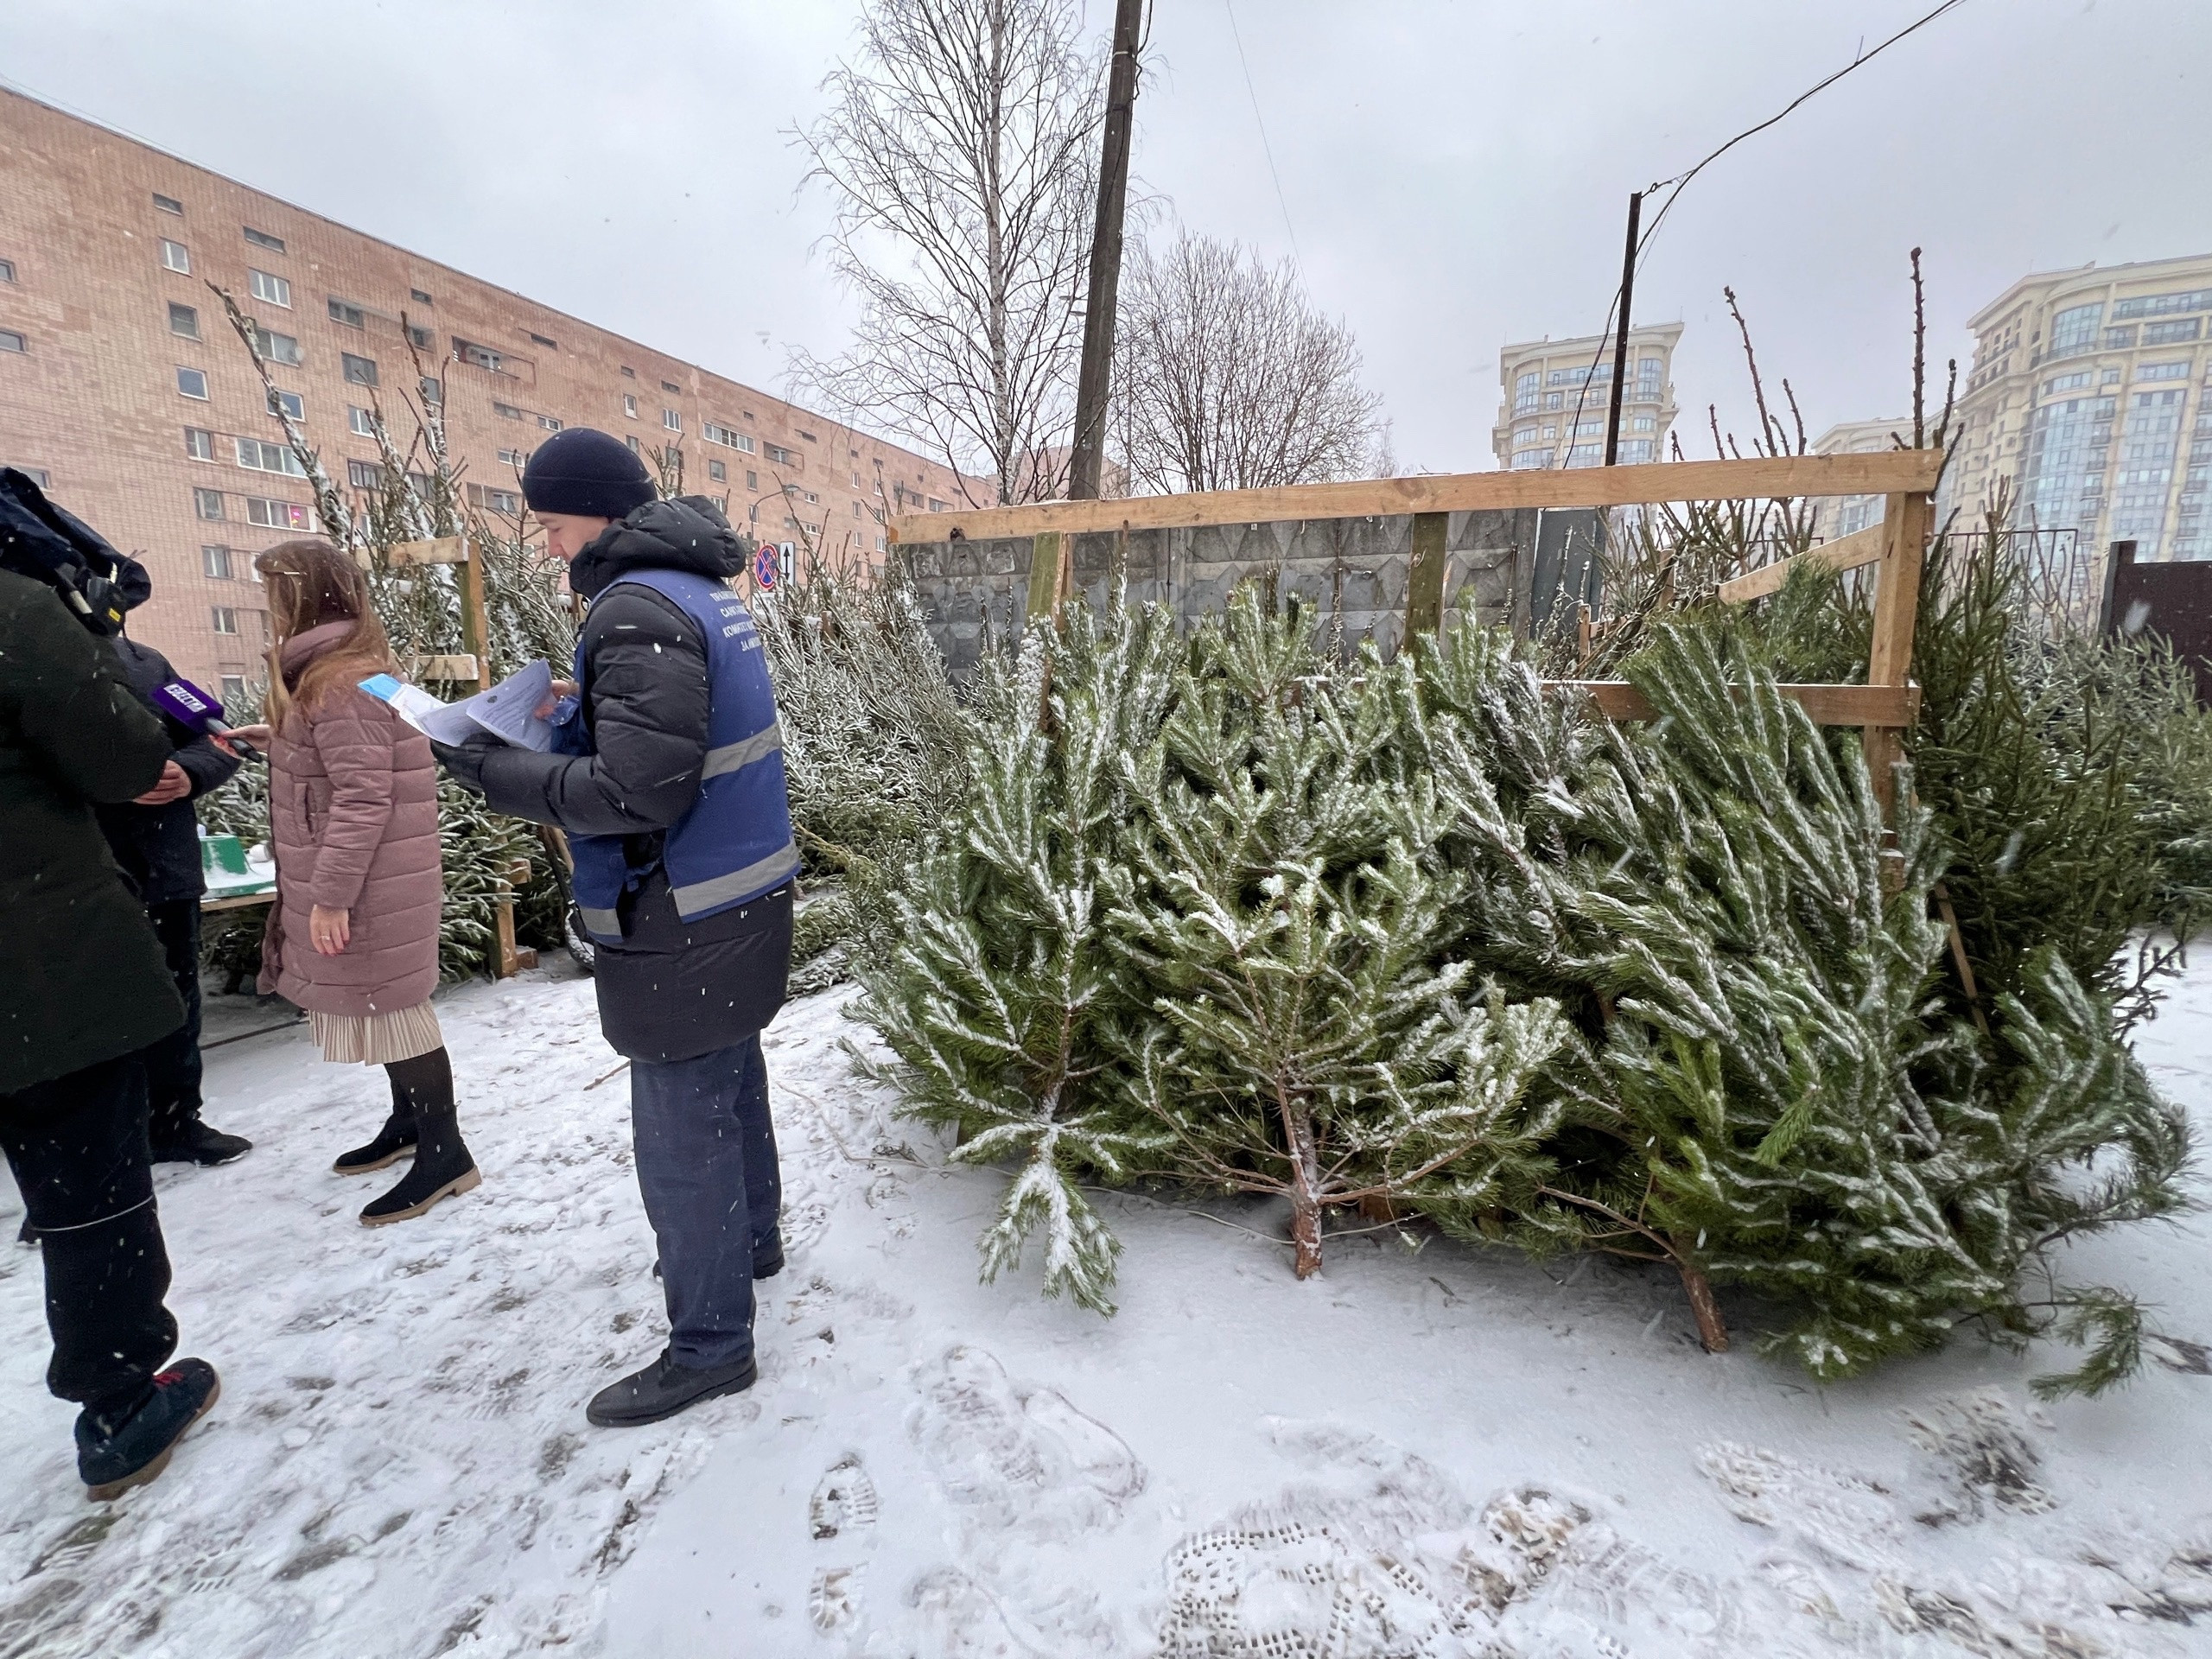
1425, 574
1905, 519
475, 629
1048, 573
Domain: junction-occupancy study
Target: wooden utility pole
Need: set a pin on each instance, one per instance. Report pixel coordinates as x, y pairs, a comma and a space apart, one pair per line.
1620, 335
1095, 379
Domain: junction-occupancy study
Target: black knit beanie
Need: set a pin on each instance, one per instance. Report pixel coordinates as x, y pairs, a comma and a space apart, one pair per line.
586, 475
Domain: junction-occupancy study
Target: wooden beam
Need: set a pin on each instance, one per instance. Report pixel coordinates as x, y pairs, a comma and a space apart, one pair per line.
453, 669
1048, 575
1906, 520
1828, 705
445, 549
1762, 478
1425, 574
1845, 553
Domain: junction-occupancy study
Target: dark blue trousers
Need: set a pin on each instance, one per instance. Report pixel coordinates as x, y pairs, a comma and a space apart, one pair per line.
707, 1167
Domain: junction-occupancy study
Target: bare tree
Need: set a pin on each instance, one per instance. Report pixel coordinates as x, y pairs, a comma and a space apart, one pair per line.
958, 147
1229, 379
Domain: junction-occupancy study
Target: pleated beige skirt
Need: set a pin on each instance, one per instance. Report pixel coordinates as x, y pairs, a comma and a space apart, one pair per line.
377, 1039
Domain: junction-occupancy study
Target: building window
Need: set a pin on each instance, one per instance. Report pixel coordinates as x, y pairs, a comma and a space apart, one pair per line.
287, 403
937, 506
169, 204
630, 405
505, 501
199, 444
2160, 305
1644, 423
2075, 329
481, 357
2166, 333
7, 270
184, 321
515, 458
259, 457
418, 296
365, 475
270, 289
419, 337
278, 348
752, 480
233, 689
276, 515
207, 503
778, 456
549, 422
2059, 383
350, 316
671, 420
215, 563
1634, 450
262, 239
2163, 371
176, 257
359, 371
2109, 377
629, 373
550, 345
812, 499
359, 422
507, 411
670, 386
193, 383
1650, 373
632, 442
717, 472
12, 341
226, 618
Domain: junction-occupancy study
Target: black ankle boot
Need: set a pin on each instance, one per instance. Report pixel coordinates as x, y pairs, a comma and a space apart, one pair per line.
393, 1142
442, 1168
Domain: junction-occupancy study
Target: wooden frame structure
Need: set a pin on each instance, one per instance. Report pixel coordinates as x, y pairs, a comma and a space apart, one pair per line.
1883, 708
472, 666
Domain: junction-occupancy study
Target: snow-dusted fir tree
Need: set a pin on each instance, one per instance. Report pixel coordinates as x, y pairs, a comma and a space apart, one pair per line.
995, 990
1309, 1034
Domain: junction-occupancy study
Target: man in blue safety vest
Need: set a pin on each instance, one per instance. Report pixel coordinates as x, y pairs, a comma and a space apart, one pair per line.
668, 776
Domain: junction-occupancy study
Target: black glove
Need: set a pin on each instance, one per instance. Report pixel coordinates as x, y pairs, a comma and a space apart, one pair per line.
465, 760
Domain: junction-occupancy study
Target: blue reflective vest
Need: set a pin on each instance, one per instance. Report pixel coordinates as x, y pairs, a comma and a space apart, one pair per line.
733, 843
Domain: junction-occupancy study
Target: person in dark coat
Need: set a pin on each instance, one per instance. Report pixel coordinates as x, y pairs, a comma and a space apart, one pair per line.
669, 780
155, 839
87, 990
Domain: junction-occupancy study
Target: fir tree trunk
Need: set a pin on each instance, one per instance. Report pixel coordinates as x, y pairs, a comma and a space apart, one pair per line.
1712, 1329
1305, 1185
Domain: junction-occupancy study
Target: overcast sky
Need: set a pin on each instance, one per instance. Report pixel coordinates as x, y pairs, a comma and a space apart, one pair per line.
1452, 175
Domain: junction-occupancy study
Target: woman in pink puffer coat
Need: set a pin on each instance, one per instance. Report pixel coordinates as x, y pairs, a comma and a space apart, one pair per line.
353, 938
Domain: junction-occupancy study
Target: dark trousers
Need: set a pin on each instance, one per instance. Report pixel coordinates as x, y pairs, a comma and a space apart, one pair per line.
707, 1167
78, 1147
172, 1063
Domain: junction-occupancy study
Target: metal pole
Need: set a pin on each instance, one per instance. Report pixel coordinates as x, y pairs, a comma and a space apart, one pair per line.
1620, 336
1095, 378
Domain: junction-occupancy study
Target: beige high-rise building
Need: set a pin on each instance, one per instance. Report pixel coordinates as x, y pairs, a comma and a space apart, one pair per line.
1836, 515
124, 391
2088, 397
1556, 392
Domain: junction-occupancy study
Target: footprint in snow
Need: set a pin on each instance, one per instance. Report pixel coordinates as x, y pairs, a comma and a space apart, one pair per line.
844, 1500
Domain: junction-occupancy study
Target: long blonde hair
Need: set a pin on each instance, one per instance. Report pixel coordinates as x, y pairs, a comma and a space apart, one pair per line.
311, 583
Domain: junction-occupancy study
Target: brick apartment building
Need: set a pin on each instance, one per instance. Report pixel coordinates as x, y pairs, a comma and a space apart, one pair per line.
123, 389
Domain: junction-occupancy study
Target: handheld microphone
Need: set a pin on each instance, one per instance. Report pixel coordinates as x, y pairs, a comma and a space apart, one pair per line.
187, 705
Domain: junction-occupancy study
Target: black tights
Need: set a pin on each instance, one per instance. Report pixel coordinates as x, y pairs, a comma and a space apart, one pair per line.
424, 1082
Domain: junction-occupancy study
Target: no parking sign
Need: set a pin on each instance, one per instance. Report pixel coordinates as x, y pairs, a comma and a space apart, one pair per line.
767, 566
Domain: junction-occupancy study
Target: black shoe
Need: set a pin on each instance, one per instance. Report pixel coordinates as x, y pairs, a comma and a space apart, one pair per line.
196, 1143
664, 1389
394, 1141
442, 1168
115, 1455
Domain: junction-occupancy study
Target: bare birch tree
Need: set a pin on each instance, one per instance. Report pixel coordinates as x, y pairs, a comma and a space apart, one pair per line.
958, 147
1227, 377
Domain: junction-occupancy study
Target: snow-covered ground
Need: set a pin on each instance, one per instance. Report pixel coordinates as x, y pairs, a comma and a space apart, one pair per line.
1421, 1451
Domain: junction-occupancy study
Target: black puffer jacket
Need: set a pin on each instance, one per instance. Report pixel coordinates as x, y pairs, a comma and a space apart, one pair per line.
158, 847
670, 990
84, 975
